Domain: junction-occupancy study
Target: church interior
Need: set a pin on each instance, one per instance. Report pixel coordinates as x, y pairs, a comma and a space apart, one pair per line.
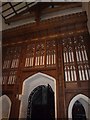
45, 60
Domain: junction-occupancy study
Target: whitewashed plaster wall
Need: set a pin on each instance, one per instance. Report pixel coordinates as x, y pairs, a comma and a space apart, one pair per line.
86, 7
29, 85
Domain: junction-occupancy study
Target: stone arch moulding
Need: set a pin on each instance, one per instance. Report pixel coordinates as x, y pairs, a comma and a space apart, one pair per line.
84, 100
5, 105
29, 85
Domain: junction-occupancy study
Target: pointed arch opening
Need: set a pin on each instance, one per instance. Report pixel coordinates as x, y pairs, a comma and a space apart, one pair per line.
41, 104
78, 101
5, 105
32, 83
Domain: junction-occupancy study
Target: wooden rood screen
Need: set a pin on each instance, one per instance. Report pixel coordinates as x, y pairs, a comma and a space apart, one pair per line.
76, 64
11, 61
11, 58
39, 54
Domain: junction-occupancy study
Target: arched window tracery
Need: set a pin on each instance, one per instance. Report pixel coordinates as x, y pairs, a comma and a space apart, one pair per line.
75, 59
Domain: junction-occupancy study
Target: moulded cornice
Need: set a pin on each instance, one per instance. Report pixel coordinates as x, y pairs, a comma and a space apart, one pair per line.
58, 22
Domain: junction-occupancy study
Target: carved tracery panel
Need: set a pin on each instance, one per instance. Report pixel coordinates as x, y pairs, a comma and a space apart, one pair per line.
75, 59
4, 77
11, 57
9, 77
82, 58
12, 78
50, 53
11, 60
29, 61
40, 54
7, 58
69, 60
15, 57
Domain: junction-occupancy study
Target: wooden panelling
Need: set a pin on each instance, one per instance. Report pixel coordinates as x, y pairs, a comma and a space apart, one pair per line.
57, 47
56, 24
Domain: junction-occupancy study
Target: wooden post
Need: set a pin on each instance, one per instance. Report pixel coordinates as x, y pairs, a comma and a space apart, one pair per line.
60, 82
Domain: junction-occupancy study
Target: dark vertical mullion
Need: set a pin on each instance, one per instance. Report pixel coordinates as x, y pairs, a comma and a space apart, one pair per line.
20, 65
22, 59
83, 63
87, 45
88, 71
85, 73
70, 73
72, 56
66, 55
56, 53
34, 54
45, 53
65, 63
53, 56
83, 49
81, 53
78, 50
73, 65
7, 79
76, 63
69, 65
65, 74
11, 58
26, 55
57, 81
39, 53
74, 73
39, 57
61, 79
83, 69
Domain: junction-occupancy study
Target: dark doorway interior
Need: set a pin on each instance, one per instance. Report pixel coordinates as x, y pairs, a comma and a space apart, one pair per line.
78, 112
41, 104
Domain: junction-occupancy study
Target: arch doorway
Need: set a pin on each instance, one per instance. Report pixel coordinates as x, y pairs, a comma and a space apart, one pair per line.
79, 107
32, 83
5, 107
78, 111
41, 104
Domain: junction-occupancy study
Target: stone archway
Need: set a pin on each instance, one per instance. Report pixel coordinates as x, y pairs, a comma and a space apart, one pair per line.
5, 105
29, 85
84, 100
